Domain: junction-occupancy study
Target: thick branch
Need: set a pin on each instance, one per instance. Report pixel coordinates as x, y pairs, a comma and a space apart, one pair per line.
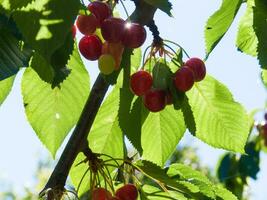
143, 14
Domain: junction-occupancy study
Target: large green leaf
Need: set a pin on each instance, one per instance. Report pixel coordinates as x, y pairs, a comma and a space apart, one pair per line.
161, 133
5, 88
218, 24
224, 194
247, 40
260, 28
163, 5
220, 121
105, 137
264, 77
52, 112
46, 27
14, 54
10, 5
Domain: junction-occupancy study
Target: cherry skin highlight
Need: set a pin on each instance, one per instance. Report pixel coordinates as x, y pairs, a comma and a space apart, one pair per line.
155, 100
134, 35
101, 10
86, 24
198, 67
101, 194
127, 192
112, 29
90, 47
141, 82
184, 79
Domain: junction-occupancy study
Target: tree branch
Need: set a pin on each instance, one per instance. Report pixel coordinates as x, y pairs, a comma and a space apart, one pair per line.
143, 14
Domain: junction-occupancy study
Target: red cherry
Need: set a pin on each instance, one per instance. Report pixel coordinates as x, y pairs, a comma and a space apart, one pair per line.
198, 67
101, 194
141, 82
154, 100
114, 198
90, 47
184, 79
127, 192
134, 35
101, 10
87, 24
264, 130
112, 29
73, 30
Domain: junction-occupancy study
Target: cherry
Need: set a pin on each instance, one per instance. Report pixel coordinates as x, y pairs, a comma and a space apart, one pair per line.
86, 24
114, 49
184, 79
134, 35
265, 116
154, 100
73, 31
101, 10
198, 67
127, 192
141, 82
90, 47
264, 130
101, 194
112, 29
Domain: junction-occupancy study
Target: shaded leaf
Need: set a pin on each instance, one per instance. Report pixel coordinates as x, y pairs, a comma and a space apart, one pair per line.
163, 5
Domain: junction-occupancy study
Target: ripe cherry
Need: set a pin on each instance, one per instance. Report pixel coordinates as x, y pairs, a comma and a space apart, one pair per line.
87, 24
112, 29
134, 35
101, 10
101, 194
198, 67
127, 192
141, 82
90, 47
73, 31
155, 100
184, 79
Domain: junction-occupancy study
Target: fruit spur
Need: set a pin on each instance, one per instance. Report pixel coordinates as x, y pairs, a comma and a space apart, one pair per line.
105, 36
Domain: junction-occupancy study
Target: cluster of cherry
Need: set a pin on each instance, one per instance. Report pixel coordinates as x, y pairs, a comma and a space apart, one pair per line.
116, 32
155, 99
126, 192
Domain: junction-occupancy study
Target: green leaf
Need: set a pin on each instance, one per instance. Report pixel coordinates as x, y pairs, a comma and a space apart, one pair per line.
227, 167
218, 24
14, 54
5, 88
264, 77
52, 112
106, 135
163, 5
132, 115
194, 177
161, 133
224, 194
249, 164
46, 27
247, 40
260, 28
10, 5
220, 121
155, 193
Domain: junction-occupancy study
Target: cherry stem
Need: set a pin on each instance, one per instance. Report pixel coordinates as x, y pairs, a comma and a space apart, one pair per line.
79, 185
144, 56
178, 46
125, 10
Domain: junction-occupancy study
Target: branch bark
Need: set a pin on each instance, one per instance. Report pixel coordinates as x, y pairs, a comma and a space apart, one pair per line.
143, 14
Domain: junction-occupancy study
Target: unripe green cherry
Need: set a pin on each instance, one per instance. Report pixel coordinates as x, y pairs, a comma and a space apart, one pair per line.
106, 64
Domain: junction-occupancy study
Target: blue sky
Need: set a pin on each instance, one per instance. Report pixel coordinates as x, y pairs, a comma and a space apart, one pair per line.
20, 148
